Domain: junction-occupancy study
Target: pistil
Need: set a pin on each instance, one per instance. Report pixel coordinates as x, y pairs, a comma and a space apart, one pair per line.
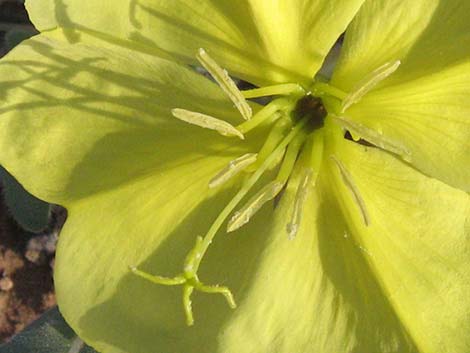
296, 120
271, 190
193, 260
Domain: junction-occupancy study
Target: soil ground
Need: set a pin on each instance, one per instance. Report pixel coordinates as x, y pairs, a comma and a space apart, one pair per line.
26, 288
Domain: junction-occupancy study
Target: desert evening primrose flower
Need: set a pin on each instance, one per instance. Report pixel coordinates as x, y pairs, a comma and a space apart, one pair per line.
358, 244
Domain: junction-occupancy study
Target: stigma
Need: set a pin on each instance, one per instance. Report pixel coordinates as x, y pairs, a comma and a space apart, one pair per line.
296, 119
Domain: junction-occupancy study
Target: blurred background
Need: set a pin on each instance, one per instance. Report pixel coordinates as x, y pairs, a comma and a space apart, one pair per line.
28, 227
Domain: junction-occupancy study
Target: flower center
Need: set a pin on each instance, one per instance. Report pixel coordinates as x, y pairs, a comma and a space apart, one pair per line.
295, 140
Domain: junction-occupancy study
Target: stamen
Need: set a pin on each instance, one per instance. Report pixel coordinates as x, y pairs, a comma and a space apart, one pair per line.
232, 169
373, 137
317, 148
290, 158
321, 89
351, 185
244, 215
226, 83
207, 122
194, 258
300, 197
282, 89
368, 83
276, 135
271, 190
264, 114
279, 150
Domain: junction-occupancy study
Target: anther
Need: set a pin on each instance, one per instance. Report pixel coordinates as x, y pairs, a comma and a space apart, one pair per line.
271, 190
300, 198
232, 169
351, 185
207, 122
226, 83
193, 260
368, 83
372, 136
244, 215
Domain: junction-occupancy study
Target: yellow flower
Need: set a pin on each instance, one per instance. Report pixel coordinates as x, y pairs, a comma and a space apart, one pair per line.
337, 246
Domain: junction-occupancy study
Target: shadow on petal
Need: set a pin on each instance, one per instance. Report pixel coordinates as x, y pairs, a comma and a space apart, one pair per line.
372, 321
142, 317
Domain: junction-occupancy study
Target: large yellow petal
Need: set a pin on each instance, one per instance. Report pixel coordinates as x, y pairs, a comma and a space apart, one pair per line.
315, 293
399, 285
77, 119
415, 32
424, 104
151, 223
262, 41
417, 244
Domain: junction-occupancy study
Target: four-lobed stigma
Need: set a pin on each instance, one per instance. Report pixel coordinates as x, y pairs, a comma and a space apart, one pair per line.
296, 117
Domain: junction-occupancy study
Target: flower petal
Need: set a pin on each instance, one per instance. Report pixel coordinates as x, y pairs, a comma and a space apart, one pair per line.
417, 245
315, 293
429, 117
312, 294
259, 40
415, 32
423, 105
76, 119
150, 224
337, 287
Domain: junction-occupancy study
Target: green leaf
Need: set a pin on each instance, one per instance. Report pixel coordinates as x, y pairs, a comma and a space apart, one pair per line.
48, 334
30, 212
16, 36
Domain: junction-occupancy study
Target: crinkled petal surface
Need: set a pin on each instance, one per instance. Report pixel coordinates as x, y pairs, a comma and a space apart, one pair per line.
424, 105
262, 41
87, 120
